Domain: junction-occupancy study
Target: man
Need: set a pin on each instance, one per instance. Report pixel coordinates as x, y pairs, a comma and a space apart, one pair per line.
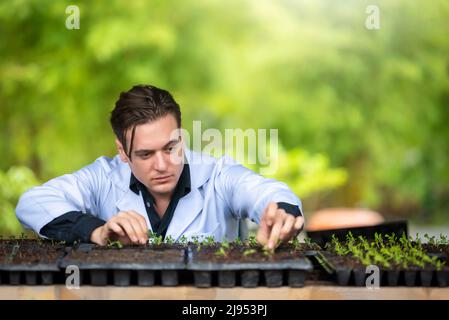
156, 183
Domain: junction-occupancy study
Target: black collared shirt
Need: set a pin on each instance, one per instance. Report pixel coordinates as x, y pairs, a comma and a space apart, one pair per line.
159, 225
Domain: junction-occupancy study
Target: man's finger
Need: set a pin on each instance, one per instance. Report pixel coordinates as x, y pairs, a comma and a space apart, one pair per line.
136, 224
142, 225
116, 228
287, 228
274, 235
270, 213
299, 223
140, 232
263, 233
129, 229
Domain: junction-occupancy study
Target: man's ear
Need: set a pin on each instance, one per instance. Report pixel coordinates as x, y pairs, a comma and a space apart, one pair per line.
121, 151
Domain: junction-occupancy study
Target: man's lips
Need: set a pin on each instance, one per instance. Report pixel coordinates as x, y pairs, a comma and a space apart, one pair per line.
162, 178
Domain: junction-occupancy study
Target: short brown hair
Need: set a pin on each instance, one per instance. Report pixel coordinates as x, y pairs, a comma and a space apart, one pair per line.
142, 103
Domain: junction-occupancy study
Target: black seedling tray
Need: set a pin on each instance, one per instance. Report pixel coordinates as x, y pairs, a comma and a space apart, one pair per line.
125, 273
249, 274
324, 236
37, 274
356, 276
31, 273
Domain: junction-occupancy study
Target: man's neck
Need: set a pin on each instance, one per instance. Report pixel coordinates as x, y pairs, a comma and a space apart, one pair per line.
161, 202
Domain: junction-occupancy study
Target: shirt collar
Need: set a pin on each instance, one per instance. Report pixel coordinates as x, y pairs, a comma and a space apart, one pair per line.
182, 188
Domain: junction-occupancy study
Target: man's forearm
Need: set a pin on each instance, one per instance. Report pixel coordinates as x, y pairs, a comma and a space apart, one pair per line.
72, 226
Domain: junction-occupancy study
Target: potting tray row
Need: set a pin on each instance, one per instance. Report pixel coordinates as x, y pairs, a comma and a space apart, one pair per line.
247, 268
34, 262
43, 263
345, 271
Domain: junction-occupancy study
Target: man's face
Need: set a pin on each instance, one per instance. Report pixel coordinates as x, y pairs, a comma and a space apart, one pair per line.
157, 155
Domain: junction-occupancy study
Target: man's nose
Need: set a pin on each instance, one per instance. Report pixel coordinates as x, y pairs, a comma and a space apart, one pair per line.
161, 163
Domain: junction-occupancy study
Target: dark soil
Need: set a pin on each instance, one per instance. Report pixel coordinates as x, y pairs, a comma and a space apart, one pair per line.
129, 254
29, 252
347, 261
236, 254
442, 250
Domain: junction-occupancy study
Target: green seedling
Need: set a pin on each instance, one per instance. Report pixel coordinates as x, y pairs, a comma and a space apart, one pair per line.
114, 244
443, 240
253, 241
430, 239
209, 241
248, 252
295, 243
267, 252
336, 246
439, 265
169, 240
196, 240
403, 252
153, 238
182, 240
238, 242
223, 250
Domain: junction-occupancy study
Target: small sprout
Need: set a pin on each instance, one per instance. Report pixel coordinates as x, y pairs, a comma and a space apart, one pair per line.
153, 238
196, 240
209, 241
224, 249
295, 243
221, 252
238, 242
183, 240
443, 240
169, 240
253, 241
439, 265
115, 244
267, 252
248, 252
430, 239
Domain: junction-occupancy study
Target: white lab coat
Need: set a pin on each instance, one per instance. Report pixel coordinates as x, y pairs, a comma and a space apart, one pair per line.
222, 192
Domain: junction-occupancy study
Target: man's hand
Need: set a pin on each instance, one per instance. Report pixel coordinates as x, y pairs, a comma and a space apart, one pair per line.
276, 225
128, 227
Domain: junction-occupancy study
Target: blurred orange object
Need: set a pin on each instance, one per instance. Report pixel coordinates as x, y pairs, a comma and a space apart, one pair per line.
337, 218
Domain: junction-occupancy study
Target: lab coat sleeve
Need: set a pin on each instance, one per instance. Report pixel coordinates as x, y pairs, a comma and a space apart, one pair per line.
248, 193
78, 191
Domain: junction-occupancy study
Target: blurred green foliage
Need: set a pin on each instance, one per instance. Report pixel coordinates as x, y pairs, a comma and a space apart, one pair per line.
307, 174
13, 183
374, 103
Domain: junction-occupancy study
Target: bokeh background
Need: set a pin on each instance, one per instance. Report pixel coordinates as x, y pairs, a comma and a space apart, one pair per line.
362, 114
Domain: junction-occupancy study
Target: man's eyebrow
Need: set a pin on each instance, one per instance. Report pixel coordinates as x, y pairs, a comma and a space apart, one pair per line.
138, 152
